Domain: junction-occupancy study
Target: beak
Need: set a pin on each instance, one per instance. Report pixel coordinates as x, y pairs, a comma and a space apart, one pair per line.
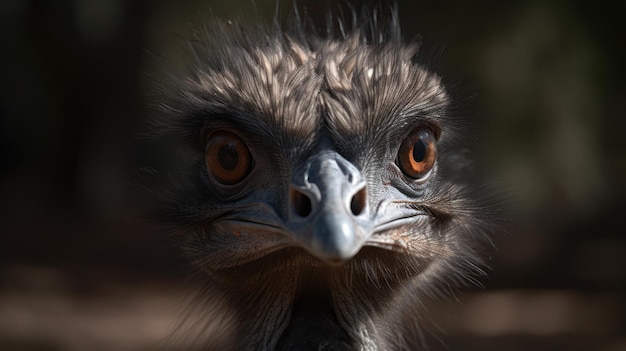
328, 208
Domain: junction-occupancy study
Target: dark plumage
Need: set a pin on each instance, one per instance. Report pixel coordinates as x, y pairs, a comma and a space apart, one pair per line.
318, 186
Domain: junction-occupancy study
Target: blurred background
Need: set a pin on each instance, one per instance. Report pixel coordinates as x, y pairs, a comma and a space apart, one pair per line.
78, 272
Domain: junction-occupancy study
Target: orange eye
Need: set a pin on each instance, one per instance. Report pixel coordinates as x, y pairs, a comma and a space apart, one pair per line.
227, 158
417, 153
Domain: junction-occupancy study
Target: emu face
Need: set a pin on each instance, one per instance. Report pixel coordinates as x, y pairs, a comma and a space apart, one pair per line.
319, 187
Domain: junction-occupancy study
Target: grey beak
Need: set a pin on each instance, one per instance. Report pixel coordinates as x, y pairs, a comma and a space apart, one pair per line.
328, 202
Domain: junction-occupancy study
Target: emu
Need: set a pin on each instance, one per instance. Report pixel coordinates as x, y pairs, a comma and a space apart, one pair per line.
319, 185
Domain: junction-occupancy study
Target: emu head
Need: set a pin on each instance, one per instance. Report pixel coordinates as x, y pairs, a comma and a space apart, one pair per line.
319, 185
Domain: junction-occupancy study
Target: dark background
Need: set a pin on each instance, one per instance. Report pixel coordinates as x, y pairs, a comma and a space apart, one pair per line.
78, 271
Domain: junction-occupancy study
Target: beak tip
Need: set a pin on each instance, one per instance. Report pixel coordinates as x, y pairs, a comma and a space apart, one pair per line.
335, 240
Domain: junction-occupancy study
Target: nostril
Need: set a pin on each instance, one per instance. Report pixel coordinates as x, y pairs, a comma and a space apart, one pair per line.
357, 205
301, 203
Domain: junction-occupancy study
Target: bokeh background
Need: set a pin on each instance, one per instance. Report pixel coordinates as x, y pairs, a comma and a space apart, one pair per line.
79, 272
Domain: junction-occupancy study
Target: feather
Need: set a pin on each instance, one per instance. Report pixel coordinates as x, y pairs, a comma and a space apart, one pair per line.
289, 95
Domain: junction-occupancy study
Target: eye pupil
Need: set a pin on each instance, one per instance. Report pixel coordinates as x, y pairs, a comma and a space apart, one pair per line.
228, 157
419, 151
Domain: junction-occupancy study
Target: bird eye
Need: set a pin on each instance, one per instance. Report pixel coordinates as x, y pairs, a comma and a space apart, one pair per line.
228, 158
417, 153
